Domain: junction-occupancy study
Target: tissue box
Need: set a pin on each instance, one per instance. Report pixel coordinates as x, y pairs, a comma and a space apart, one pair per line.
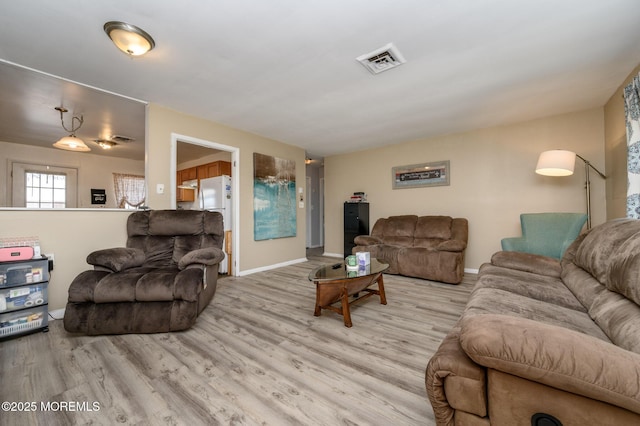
364, 258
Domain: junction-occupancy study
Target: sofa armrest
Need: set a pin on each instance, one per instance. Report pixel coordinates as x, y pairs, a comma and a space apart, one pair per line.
455, 382
204, 256
554, 356
527, 262
452, 245
366, 240
116, 259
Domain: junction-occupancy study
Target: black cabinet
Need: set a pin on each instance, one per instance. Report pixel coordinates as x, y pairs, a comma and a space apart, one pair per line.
356, 222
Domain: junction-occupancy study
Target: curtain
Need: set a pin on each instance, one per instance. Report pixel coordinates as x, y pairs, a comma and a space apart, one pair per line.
129, 190
632, 112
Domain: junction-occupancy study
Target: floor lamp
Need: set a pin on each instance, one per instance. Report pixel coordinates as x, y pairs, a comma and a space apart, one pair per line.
559, 162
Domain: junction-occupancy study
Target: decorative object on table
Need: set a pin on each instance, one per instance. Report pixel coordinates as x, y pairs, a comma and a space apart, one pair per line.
351, 263
274, 197
364, 258
419, 175
559, 162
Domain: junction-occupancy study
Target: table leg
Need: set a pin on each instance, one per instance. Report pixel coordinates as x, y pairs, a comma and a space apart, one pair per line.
383, 297
346, 313
318, 309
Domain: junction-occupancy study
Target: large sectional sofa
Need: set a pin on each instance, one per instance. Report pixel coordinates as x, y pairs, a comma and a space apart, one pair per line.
547, 342
428, 247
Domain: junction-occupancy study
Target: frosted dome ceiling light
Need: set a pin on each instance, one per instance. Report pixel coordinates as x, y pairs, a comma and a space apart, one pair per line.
130, 39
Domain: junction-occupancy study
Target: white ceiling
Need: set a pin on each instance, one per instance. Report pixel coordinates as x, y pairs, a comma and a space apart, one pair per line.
286, 69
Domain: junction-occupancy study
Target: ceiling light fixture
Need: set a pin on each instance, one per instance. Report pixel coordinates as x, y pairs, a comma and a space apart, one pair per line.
105, 144
130, 39
71, 142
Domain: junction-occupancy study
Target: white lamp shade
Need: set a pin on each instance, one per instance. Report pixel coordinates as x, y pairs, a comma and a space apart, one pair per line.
72, 143
557, 162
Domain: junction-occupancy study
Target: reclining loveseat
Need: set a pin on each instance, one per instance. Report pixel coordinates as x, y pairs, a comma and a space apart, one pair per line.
429, 247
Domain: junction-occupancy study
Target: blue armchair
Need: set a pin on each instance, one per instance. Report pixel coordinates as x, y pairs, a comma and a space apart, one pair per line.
548, 234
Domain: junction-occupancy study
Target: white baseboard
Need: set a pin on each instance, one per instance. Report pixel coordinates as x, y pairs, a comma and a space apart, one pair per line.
471, 271
333, 254
56, 314
269, 267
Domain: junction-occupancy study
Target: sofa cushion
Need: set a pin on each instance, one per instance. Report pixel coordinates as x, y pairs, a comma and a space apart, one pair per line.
535, 286
433, 227
400, 226
624, 269
497, 301
598, 247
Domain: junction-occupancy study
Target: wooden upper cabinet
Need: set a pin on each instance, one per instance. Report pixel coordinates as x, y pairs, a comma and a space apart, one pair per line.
189, 174
217, 168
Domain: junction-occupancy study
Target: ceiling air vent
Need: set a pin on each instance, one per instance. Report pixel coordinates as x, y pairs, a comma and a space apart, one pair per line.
382, 59
121, 139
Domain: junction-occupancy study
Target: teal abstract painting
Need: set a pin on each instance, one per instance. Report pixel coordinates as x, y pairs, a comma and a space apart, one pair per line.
274, 197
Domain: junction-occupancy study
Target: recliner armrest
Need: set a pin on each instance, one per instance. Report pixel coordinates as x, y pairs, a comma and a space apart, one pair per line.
204, 256
116, 259
452, 245
366, 240
554, 356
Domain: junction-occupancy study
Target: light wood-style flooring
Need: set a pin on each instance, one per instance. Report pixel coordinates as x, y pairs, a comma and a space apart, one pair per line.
256, 356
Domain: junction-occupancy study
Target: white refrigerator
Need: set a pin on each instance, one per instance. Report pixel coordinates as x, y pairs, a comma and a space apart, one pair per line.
215, 195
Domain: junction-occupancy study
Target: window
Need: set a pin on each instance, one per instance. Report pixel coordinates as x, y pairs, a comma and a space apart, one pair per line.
129, 189
45, 190
41, 187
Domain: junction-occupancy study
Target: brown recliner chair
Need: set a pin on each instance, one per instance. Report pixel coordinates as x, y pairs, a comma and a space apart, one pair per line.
160, 282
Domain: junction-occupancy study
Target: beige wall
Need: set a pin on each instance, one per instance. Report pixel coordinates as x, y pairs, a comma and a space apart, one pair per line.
492, 179
616, 151
253, 254
70, 235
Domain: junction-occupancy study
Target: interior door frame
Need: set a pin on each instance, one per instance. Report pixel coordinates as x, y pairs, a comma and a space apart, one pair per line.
235, 186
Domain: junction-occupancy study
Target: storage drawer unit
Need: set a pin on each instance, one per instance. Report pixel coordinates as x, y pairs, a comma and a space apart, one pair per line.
23, 296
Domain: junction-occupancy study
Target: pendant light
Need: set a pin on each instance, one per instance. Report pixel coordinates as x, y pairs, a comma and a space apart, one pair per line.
71, 142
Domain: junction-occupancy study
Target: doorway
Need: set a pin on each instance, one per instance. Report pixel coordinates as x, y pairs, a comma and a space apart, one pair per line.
196, 151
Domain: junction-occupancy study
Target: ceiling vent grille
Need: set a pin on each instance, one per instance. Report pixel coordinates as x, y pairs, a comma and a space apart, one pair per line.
121, 139
382, 59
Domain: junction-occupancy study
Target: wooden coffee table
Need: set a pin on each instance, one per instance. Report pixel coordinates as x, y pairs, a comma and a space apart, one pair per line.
335, 283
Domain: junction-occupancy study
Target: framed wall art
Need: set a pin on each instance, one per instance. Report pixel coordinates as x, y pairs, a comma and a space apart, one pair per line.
420, 175
274, 197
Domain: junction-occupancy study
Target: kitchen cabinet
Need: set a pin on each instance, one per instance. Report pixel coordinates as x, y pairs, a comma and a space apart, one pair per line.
204, 171
217, 168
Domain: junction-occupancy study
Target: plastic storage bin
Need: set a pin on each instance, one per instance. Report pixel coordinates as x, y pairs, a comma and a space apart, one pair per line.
23, 321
